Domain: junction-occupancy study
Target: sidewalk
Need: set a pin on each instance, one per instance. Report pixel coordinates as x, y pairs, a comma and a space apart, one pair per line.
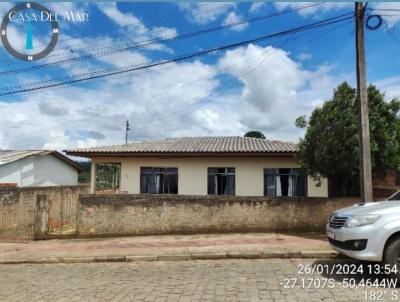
167, 247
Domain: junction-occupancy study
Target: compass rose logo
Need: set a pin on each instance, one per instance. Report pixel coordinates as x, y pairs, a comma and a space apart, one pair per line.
26, 18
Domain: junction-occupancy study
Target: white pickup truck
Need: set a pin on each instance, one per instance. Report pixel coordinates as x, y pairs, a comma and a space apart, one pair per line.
369, 231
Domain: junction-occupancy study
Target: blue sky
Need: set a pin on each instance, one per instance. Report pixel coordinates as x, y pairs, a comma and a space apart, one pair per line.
262, 86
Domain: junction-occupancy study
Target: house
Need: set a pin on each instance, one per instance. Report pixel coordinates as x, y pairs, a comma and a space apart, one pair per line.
241, 166
37, 168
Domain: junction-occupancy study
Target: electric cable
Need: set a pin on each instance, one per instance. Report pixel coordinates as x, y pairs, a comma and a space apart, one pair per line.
151, 42
112, 71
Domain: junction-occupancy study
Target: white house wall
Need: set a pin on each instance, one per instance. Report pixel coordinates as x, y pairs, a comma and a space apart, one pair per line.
44, 170
192, 173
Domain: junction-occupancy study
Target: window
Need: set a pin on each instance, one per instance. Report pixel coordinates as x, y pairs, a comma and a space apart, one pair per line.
159, 180
221, 181
285, 182
107, 176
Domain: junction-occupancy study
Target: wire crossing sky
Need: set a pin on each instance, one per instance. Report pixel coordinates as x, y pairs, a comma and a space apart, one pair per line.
185, 69
110, 72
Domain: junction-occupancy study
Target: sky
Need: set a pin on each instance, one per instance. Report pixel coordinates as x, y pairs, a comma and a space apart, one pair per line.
263, 86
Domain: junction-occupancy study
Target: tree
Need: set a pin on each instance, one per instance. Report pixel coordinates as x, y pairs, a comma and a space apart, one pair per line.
255, 134
84, 176
301, 122
330, 147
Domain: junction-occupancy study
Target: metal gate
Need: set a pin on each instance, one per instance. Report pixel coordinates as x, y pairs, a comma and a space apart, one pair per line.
62, 215
17, 225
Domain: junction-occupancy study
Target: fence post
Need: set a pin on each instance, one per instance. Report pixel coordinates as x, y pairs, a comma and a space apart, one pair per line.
42, 216
2, 223
62, 200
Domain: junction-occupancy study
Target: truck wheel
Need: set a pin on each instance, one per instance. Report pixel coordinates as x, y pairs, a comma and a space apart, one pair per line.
392, 254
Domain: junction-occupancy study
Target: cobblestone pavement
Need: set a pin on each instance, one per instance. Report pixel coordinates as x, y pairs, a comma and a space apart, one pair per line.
212, 280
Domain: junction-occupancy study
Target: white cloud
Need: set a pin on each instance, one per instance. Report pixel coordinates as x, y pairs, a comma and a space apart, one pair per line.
321, 84
205, 12
177, 100
391, 87
304, 56
257, 6
276, 90
111, 11
95, 46
52, 108
316, 10
232, 17
2, 142
391, 17
132, 28
131, 22
269, 90
157, 103
62, 7
209, 119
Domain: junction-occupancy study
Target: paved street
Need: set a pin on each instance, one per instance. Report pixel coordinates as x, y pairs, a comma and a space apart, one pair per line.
218, 280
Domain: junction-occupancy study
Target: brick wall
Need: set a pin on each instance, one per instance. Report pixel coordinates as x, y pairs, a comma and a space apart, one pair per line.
26, 196
8, 195
20, 208
127, 214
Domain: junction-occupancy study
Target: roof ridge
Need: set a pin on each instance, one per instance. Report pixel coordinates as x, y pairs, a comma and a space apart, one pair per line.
197, 144
25, 150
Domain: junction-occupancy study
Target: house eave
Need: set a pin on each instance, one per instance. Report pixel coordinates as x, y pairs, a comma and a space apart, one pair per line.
66, 160
56, 154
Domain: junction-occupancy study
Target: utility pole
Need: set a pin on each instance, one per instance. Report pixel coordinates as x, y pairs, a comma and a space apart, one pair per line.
362, 99
126, 132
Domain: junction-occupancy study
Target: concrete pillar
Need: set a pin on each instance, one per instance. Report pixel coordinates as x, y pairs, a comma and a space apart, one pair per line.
42, 216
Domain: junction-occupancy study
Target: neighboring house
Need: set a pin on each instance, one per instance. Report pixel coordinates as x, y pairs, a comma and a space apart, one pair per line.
31, 168
240, 166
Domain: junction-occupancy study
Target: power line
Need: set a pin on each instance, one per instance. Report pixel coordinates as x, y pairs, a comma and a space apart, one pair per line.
154, 97
385, 9
113, 71
154, 41
123, 70
151, 42
114, 45
215, 94
391, 33
137, 66
258, 65
64, 41
150, 32
180, 85
231, 24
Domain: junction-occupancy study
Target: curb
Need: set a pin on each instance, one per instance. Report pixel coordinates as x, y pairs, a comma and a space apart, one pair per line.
177, 257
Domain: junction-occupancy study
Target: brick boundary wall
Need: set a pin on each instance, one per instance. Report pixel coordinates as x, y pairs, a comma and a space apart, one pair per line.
27, 196
127, 214
32, 206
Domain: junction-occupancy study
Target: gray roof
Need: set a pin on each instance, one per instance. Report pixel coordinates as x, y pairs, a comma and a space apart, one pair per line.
9, 156
193, 145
